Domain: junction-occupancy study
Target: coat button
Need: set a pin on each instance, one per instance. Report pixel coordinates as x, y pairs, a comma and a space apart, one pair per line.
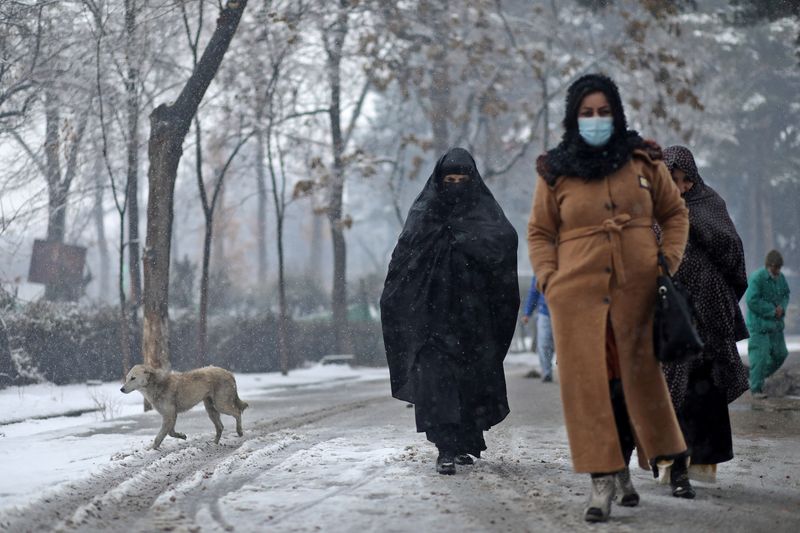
609, 206
606, 300
608, 270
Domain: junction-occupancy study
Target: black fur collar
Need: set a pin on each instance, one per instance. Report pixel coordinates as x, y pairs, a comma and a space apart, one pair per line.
573, 157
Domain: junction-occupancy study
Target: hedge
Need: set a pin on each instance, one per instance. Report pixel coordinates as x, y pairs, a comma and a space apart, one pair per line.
65, 343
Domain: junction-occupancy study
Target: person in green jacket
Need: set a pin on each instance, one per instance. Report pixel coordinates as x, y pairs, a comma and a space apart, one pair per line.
767, 297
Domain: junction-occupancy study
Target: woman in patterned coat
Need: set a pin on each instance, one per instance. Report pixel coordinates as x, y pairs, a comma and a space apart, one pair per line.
713, 270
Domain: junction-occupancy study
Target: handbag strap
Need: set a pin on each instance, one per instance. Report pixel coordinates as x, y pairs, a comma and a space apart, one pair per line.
662, 262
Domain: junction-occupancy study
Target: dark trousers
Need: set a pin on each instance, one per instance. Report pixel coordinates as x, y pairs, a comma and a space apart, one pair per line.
705, 421
624, 431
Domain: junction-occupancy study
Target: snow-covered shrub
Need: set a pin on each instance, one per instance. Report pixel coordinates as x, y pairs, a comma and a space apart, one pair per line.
67, 343
107, 406
25, 370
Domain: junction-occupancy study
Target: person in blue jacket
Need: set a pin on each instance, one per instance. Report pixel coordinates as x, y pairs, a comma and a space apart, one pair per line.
544, 330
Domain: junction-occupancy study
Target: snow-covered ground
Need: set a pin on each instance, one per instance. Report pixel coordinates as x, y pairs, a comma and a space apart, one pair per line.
40, 449
328, 449
96, 402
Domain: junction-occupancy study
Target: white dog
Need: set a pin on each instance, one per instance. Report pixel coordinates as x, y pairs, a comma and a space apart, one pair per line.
171, 393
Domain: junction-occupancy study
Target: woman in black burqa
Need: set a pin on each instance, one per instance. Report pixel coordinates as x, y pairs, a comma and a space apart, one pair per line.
713, 270
449, 309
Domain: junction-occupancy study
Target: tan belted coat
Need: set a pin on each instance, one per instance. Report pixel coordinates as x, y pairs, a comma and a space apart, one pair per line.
593, 250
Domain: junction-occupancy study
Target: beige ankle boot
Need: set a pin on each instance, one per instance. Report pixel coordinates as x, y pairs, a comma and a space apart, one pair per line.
599, 507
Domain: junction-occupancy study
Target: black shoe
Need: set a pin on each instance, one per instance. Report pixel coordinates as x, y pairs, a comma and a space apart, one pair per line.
626, 494
679, 481
547, 379
446, 464
683, 489
464, 459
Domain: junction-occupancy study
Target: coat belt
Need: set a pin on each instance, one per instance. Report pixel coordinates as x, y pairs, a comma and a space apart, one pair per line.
613, 227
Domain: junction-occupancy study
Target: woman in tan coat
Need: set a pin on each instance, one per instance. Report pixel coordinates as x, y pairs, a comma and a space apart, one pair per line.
593, 250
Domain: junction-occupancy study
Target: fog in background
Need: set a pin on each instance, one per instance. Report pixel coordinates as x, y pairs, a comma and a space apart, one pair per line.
721, 77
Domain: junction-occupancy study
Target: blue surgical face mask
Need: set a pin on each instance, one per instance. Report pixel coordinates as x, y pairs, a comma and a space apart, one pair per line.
596, 131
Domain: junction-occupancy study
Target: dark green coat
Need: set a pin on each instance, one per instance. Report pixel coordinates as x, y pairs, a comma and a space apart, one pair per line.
764, 293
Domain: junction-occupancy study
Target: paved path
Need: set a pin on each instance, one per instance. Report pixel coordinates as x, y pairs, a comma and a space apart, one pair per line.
348, 459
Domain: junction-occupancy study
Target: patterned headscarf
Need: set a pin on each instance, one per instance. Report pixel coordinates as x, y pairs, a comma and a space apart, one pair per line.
681, 157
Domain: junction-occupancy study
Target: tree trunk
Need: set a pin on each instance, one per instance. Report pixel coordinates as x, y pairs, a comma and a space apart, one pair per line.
545, 112
283, 318
218, 245
440, 102
753, 252
767, 237
56, 213
100, 229
169, 125
279, 203
164, 151
440, 86
202, 323
261, 230
339, 293
124, 324
314, 266
132, 104
56, 192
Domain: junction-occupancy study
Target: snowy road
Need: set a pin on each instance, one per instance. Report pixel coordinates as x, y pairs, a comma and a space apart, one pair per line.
345, 457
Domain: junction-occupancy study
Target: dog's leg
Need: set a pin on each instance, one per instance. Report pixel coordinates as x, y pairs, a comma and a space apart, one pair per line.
238, 418
167, 427
213, 414
176, 435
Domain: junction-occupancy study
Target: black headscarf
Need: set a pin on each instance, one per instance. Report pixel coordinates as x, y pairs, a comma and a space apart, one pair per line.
573, 156
713, 270
452, 280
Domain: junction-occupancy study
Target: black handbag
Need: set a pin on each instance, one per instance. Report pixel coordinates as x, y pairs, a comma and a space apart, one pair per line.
674, 333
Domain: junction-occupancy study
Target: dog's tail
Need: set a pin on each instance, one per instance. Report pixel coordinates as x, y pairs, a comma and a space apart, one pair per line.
240, 404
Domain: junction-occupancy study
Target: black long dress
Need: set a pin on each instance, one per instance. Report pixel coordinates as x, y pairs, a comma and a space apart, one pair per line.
713, 270
449, 308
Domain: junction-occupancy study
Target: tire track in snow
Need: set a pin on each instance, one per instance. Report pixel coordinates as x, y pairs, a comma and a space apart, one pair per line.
178, 507
125, 489
330, 473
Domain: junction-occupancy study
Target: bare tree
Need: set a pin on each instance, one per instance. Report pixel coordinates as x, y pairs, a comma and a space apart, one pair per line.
169, 125
59, 166
334, 32
209, 204
21, 58
334, 39
118, 191
133, 41
98, 214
